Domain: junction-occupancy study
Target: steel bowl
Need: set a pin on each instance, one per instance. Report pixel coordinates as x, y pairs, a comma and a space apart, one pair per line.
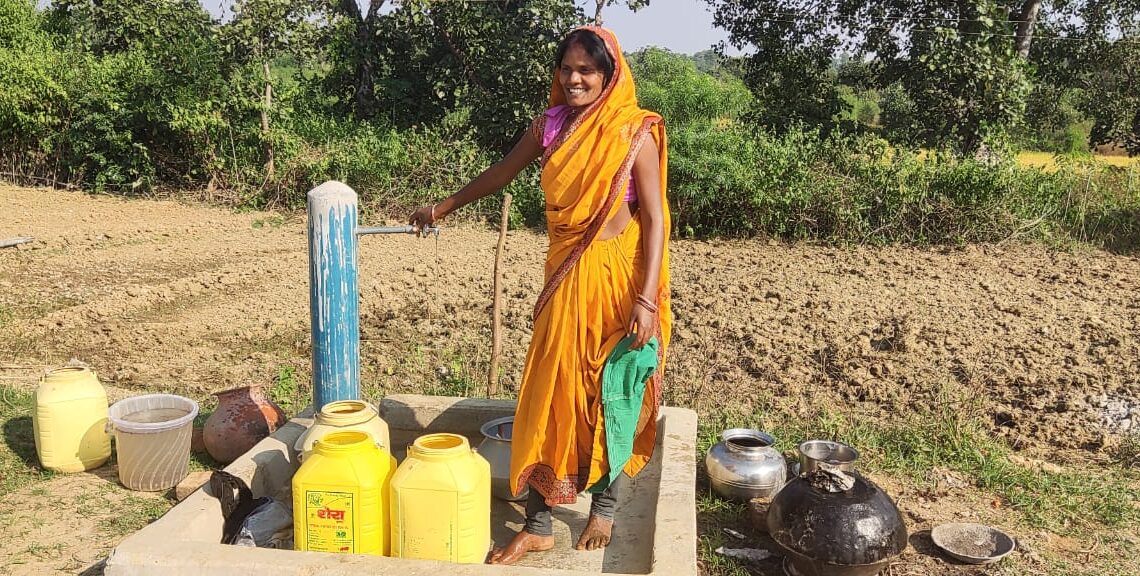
837, 455
972, 543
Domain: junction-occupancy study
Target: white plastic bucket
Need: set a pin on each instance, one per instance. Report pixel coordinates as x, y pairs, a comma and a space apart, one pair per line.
152, 439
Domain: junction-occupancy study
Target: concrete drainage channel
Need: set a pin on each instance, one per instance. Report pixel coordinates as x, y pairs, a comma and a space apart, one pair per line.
658, 534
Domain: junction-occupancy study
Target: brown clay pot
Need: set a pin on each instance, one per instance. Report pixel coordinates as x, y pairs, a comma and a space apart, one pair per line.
243, 418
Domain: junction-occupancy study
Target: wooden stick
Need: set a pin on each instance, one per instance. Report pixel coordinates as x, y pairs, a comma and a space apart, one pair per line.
497, 305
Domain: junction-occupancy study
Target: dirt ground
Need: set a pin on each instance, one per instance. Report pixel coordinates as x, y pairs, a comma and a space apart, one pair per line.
167, 296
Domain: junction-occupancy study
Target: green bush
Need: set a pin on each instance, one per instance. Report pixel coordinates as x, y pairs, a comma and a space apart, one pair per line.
31, 89
1054, 121
123, 95
671, 85
858, 188
392, 171
123, 102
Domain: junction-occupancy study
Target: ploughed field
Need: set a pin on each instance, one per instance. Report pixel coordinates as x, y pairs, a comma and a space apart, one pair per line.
1034, 347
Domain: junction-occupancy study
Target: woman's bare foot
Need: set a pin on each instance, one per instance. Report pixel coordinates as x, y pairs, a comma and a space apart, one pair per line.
522, 543
596, 535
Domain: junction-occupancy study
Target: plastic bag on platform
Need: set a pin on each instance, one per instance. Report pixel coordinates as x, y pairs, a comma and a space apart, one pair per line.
261, 522
270, 525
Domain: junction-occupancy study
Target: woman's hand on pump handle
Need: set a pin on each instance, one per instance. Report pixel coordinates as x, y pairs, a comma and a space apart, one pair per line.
422, 218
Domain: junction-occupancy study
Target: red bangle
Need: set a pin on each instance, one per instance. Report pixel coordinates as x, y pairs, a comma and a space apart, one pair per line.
647, 304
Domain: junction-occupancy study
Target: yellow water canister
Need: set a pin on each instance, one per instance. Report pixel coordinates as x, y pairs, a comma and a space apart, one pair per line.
340, 496
342, 416
70, 420
441, 502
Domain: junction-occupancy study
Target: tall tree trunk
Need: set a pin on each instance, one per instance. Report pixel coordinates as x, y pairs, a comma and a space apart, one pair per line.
1027, 21
364, 44
598, 12
365, 97
266, 104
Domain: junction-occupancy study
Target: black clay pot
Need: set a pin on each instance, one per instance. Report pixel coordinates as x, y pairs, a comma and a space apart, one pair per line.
851, 533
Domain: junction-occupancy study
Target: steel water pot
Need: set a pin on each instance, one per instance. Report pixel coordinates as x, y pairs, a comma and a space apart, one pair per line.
744, 465
496, 448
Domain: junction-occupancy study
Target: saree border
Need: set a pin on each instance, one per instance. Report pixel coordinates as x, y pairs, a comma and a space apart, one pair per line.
554, 490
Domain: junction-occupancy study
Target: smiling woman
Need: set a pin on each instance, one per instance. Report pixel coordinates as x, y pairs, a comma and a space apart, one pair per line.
587, 410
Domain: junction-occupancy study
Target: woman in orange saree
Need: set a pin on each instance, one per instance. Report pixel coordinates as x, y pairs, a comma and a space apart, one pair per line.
603, 176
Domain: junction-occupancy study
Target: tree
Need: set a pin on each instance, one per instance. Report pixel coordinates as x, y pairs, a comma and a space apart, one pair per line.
355, 39
260, 31
423, 59
788, 69
1115, 103
150, 85
634, 5
30, 114
963, 63
492, 58
1094, 51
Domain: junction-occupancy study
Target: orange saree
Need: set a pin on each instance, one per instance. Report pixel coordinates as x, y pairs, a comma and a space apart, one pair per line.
558, 444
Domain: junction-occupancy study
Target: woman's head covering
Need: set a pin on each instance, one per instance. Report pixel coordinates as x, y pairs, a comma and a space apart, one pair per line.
623, 94
594, 155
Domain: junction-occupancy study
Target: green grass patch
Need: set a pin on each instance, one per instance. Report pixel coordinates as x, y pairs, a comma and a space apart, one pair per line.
713, 516
271, 221
288, 393
134, 513
44, 551
951, 437
1127, 453
455, 376
412, 367
19, 464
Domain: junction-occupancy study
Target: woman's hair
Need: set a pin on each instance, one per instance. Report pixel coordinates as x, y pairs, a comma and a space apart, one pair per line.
595, 48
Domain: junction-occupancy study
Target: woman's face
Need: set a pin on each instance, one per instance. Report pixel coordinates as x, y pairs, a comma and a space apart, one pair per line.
581, 78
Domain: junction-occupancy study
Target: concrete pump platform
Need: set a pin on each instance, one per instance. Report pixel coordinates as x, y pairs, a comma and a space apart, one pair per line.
656, 532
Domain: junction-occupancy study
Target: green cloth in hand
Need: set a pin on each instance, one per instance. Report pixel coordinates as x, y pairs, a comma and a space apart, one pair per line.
623, 388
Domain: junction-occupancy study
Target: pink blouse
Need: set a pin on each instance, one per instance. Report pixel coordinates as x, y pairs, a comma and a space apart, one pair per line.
555, 119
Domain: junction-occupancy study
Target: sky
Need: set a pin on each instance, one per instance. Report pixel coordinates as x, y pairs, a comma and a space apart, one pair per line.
683, 26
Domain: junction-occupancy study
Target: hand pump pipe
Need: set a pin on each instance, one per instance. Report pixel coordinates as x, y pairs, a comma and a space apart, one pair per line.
333, 290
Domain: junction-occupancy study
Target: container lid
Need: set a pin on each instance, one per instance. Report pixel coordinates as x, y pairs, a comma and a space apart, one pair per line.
124, 414
972, 543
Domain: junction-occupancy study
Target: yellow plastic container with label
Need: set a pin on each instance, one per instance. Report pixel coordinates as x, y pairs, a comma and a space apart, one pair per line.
70, 420
441, 502
340, 496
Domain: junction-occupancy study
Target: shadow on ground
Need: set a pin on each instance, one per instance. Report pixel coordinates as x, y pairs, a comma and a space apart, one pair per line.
20, 438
